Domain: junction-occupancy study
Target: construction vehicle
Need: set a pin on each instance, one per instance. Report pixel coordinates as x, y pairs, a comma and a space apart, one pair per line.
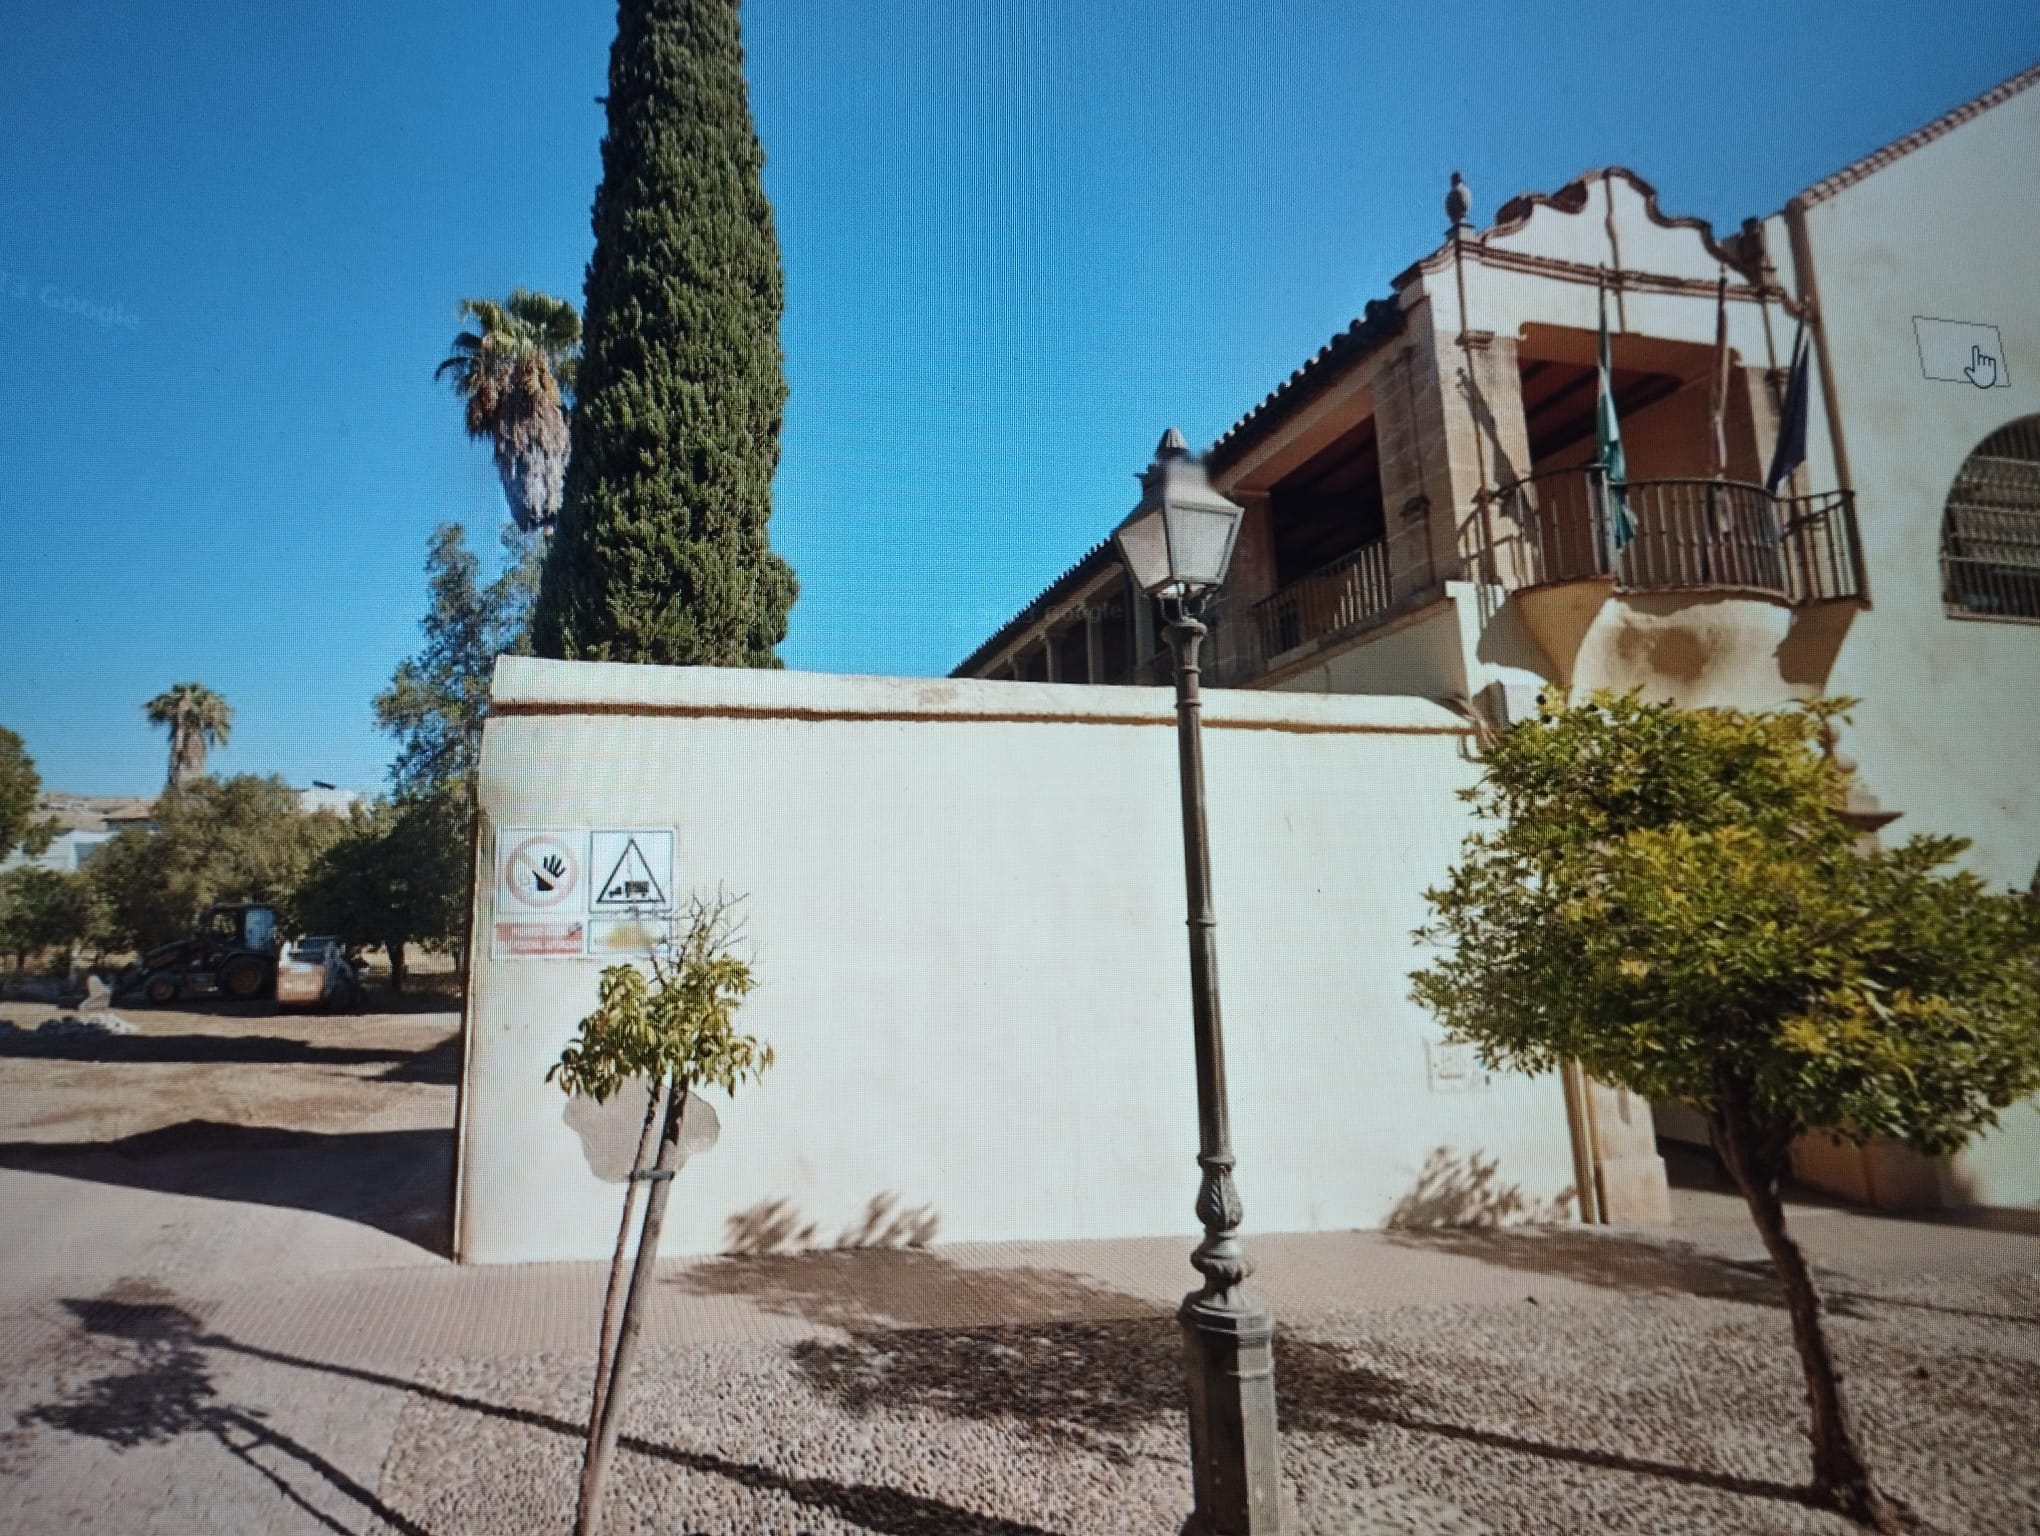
232, 954
317, 972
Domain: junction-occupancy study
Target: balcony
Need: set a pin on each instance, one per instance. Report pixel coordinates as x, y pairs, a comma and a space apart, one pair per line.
1357, 590
1689, 536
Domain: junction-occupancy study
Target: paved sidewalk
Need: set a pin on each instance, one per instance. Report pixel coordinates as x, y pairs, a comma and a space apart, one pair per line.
1038, 1391
222, 1312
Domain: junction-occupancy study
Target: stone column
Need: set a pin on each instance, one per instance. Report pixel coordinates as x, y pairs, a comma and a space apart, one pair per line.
1234, 648
1449, 418
1627, 1169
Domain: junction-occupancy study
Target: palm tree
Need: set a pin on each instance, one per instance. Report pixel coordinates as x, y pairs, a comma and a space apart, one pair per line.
515, 370
198, 719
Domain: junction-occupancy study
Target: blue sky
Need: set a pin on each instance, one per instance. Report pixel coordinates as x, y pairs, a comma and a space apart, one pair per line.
1020, 236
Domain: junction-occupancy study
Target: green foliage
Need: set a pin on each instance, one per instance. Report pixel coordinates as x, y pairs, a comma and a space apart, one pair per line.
676, 1024
662, 552
20, 787
1672, 898
437, 700
397, 875
43, 909
198, 719
235, 839
515, 373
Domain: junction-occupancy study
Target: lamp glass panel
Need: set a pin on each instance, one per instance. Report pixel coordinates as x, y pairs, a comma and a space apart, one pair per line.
1143, 544
1200, 543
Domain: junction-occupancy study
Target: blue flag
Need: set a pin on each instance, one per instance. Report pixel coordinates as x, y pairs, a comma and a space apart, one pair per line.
1791, 450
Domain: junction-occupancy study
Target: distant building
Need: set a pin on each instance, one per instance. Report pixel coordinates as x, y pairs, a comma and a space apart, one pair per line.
84, 822
1424, 516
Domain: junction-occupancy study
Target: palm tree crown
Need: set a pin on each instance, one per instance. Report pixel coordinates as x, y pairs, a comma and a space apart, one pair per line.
198, 719
515, 371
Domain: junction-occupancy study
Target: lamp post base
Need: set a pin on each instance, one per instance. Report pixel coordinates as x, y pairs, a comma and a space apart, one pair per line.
1235, 1465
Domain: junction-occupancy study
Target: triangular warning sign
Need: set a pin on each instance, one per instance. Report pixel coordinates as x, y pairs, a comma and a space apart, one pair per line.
631, 883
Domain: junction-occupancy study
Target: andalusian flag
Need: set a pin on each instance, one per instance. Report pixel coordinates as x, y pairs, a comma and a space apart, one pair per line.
1608, 440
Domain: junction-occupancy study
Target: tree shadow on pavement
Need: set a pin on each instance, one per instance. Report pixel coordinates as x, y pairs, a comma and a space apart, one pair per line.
1092, 1384
1460, 1206
1095, 1386
169, 1392
1608, 1259
1076, 1363
399, 1182
855, 1289
163, 1391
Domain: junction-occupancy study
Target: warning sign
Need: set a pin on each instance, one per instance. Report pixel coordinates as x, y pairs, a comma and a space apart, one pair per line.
538, 871
571, 893
635, 869
531, 940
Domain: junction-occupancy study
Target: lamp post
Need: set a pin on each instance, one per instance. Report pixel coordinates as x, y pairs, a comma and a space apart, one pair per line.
1177, 544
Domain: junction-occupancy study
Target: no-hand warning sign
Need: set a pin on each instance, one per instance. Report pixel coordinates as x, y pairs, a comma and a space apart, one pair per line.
538, 871
633, 867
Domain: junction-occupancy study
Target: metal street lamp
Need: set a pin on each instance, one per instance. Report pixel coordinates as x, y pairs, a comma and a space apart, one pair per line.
1177, 544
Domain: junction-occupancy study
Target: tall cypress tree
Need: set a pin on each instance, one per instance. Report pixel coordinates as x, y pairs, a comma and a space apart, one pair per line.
662, 552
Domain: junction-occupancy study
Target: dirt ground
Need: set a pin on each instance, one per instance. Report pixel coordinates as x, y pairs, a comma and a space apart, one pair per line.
350, 1115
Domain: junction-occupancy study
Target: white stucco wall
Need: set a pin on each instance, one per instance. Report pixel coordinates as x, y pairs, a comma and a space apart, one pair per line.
1948, 731
1949, 728
966, 903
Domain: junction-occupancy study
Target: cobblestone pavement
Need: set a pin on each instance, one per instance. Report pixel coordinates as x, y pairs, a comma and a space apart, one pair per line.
231, 1346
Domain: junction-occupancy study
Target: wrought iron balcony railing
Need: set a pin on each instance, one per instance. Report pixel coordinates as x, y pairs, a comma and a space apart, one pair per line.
1360, 588
1683, 535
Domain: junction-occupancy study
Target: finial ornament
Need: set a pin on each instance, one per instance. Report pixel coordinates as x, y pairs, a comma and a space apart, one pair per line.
1172, 446
1458, 201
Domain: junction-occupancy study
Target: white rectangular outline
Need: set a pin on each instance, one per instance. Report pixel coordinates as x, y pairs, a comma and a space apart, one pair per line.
2004, 380
632, 834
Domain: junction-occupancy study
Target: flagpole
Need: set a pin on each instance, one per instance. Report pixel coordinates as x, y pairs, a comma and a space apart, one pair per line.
1717, 428
1459, 203
1603, 386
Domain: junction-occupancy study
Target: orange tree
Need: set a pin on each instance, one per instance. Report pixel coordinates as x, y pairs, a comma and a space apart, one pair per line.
668, 1032
1674, 899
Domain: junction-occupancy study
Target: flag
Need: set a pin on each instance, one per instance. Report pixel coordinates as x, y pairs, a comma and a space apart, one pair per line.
1717, 401
1791, 452
1608, 442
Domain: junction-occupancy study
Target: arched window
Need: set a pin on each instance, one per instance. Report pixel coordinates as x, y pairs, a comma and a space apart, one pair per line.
1990, 536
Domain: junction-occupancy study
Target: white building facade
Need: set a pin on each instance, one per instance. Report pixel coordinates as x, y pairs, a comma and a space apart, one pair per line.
1423, 518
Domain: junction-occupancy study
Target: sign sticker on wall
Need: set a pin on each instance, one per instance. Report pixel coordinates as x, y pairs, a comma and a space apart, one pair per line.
1962, 352
539, 941
574, 893
539, 871
634, 869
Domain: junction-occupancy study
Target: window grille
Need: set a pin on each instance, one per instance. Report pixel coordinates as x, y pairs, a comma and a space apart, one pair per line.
1990, 535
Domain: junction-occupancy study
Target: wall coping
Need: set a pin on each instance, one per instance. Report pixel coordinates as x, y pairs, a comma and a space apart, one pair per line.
529, 686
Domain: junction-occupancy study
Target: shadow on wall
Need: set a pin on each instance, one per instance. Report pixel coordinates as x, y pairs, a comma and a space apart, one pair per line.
775, 1226
1466, 1190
